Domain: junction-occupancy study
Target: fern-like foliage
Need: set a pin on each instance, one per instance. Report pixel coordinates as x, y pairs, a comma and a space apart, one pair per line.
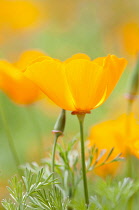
34, 191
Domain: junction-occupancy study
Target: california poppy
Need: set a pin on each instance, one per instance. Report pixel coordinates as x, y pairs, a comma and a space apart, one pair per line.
130, 37
78, 84
120, 134
12, 81
13, 17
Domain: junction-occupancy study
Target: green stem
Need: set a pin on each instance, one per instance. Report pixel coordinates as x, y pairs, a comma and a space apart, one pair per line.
130, 203
53, 154
130, 172
129, 107
129, 157
81, 120
10, 140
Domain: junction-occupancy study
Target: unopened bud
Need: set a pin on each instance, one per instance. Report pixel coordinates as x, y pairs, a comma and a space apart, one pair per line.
133, 86
60, 123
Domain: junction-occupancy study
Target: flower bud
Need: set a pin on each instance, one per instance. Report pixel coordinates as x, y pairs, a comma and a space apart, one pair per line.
60, 123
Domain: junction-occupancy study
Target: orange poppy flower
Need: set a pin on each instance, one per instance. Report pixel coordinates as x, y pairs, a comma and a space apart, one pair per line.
77, 84
20, 16
130, 37
13, 16
12, 81
122, 134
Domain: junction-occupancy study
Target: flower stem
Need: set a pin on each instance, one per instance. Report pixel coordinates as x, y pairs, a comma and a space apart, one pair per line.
81, 120
58, 131
10, 140
53, 154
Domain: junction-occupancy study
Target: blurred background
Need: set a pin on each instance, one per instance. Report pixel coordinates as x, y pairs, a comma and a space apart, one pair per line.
61, 29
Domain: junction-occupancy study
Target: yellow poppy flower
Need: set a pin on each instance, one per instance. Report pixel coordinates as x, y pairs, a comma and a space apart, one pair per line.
130, 37
78, 84
14, 17
122, 134
20, 16
12, 81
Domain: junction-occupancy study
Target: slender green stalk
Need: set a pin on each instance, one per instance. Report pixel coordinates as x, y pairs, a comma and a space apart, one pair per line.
129, 107
53, 153
81, 120
10, 140
58, 131
130, 173
129, 157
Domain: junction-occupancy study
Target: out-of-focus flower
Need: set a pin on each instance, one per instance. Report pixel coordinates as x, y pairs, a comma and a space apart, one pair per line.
122, 134
78, 84
19, 16
18, 19
12, 81
129, 33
